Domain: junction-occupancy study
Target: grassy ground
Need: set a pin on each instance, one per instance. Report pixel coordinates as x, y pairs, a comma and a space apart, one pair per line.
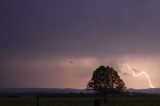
80, 101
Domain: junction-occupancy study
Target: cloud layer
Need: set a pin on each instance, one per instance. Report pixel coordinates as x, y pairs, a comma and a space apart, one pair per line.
43, 42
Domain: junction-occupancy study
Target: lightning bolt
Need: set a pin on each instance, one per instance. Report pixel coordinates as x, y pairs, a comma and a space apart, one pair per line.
140, 74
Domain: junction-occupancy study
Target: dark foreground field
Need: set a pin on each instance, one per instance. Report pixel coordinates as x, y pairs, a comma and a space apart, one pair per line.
80, 101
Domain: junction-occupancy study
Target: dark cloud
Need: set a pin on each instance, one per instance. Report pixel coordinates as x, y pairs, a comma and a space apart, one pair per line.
37, 29
69, 27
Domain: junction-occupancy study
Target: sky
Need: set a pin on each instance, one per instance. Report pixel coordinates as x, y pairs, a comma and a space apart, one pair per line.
59, 43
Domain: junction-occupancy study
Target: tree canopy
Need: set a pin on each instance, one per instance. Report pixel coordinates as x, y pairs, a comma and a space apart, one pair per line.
104, 78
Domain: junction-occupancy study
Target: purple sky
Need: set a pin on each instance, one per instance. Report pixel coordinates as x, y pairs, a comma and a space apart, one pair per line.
58, 43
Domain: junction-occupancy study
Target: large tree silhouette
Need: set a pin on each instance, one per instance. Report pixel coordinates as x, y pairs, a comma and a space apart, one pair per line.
105, 80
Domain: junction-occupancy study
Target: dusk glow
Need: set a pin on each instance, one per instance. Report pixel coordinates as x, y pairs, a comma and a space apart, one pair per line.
59, 43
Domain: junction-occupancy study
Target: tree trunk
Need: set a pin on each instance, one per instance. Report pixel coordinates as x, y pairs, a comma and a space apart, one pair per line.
97, 102
104, 99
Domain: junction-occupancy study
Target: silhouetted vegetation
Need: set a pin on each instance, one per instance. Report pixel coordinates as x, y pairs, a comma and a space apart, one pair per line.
105, 80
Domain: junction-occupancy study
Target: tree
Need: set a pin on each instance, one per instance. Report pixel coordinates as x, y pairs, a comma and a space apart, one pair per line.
106, 80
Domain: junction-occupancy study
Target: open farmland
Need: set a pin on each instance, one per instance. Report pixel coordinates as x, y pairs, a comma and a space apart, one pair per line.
80, 101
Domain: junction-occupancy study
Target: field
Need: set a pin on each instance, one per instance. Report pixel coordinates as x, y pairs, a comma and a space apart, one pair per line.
80, 101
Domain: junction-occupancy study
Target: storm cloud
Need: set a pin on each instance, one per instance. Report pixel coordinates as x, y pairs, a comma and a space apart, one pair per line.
37, 36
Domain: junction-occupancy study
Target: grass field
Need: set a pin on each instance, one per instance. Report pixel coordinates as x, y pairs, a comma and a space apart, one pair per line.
80, 101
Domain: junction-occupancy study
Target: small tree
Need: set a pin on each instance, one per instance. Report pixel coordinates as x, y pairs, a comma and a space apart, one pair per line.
105, 80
